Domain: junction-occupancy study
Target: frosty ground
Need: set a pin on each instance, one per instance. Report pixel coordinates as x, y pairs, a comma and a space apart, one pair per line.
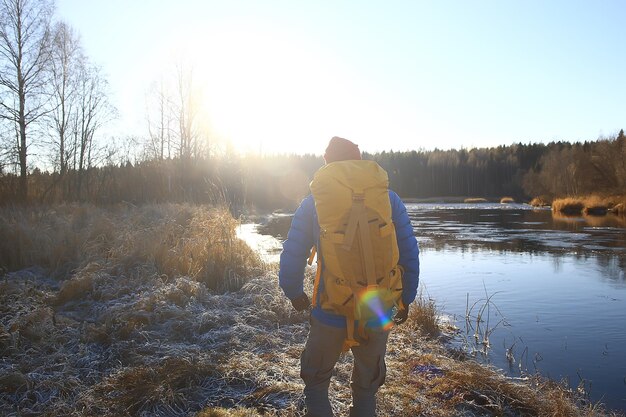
161, 311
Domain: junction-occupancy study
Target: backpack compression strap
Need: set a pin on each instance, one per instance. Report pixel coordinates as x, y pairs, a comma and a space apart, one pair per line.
357, 220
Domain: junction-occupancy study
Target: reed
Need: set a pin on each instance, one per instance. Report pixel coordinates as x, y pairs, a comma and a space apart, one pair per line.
478, 322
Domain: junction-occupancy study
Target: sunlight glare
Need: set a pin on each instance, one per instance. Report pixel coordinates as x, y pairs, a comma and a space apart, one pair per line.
262, 89
266, 92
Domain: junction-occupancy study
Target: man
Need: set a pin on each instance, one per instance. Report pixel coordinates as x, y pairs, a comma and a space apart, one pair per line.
361, 319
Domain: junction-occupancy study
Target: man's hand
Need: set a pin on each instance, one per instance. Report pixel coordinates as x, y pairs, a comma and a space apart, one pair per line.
301, 302
401, 315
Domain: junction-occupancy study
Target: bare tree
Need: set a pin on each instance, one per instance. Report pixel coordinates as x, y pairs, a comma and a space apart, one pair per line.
159, 121
24, 55
66, 61
186, 111
92, 112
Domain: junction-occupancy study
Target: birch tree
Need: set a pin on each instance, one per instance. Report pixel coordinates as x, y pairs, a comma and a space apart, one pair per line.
66, 61
24, 56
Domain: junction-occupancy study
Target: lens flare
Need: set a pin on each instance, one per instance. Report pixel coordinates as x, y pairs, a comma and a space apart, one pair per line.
371, 299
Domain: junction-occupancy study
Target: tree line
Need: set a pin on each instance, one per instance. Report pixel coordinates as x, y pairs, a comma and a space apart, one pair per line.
270, 182
522, 171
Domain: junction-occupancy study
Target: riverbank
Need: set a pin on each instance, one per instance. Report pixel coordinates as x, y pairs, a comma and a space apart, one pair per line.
161, 310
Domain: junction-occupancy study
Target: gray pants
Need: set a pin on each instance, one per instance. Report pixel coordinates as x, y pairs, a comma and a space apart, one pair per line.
320, 355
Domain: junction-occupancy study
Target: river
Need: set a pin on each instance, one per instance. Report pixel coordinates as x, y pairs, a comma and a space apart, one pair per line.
529, 291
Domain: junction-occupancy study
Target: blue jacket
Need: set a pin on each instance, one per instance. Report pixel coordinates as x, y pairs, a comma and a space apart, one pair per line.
304, 234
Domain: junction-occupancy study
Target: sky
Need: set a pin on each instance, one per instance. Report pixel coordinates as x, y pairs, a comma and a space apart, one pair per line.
285, 76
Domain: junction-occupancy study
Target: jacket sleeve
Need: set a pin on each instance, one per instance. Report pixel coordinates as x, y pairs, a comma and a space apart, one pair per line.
296, 249
408, 247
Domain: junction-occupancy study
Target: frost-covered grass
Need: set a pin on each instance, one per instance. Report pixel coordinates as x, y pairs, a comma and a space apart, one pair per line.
117, 325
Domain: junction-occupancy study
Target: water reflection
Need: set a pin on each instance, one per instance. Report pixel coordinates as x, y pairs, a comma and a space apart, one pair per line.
515, 230
521, 229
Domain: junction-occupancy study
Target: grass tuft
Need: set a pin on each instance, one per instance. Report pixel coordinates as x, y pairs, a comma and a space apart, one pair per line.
423, 317
568, 206
541, 201
507, 200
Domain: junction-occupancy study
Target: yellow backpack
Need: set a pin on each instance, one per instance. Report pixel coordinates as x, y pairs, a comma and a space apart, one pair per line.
358, 253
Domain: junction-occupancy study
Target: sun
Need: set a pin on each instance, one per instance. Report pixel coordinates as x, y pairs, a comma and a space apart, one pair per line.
267, 90
264, 91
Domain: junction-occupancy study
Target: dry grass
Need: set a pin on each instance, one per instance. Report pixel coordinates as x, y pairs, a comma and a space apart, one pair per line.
541, 201
77, 240
424, 378
423, 317
467, 385
507, 200
592, 205
147, 388
134, 331
225, 412
595, 206
474, 200
617, 205
569, 206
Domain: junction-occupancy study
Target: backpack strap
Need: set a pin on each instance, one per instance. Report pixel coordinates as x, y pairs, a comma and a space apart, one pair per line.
312, 255
350, 339
316, 283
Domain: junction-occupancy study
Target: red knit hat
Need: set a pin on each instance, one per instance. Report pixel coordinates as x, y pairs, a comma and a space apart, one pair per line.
340, 149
